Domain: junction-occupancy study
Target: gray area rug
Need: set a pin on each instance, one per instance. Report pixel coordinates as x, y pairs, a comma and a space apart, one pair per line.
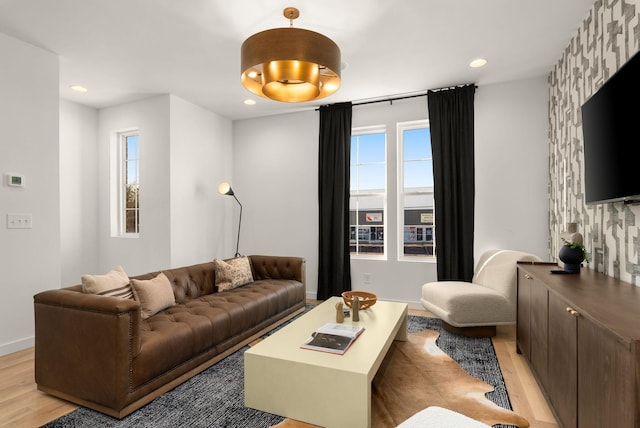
215, 397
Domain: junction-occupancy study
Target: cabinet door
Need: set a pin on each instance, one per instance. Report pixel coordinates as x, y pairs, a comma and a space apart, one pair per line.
605, 379
539, 330
562, 364
523, 327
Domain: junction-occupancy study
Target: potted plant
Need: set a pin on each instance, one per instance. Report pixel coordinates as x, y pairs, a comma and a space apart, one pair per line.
572, 254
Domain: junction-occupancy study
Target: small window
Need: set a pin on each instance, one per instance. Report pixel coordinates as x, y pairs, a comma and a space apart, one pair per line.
368, 188
131, 182
126, 184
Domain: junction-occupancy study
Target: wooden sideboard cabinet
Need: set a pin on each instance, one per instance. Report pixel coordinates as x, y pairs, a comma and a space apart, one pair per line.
580, 334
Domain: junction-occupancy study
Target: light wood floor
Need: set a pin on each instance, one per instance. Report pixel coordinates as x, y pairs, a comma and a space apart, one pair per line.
22, 405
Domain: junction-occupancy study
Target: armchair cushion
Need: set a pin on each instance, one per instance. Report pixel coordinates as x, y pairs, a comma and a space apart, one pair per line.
489, 300
463, 303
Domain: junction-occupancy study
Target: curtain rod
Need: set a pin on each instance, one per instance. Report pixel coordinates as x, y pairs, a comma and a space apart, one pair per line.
390, 100
404, 97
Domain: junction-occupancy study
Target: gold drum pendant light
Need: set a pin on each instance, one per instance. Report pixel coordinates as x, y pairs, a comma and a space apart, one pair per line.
290, 64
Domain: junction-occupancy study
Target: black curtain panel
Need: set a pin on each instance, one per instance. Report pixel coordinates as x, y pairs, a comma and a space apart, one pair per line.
451, 123
334, 268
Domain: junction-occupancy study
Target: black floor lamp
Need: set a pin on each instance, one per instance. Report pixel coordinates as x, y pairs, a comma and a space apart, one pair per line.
225, 189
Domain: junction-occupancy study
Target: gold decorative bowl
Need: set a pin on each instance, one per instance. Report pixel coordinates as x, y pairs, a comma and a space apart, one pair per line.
366, 299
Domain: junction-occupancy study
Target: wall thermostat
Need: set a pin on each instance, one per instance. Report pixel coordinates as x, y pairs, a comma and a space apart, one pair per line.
15, 180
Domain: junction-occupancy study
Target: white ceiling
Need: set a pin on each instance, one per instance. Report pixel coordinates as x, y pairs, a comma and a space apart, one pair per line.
123, 50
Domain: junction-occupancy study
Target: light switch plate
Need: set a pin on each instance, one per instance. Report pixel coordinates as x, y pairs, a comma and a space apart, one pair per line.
19, 221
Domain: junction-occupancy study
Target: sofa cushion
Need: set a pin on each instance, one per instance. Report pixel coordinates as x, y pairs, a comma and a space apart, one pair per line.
191, 282
232, 273
115, 284
214, 321
154, 294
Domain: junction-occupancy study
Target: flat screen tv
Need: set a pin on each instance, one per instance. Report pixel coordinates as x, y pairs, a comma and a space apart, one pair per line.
611, 136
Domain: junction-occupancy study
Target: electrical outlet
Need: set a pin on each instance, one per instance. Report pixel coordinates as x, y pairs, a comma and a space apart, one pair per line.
367, 278
19, 221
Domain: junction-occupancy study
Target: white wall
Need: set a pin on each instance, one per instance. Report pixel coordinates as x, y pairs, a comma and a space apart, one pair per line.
275, 176
202, 221
512, 202
29, 258
185, 154
78, 191
151, 250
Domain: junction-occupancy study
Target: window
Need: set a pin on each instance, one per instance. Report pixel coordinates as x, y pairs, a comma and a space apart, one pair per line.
367, 205
415, 191
128, 184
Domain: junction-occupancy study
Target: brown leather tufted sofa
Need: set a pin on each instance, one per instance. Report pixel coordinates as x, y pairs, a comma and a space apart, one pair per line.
98, 352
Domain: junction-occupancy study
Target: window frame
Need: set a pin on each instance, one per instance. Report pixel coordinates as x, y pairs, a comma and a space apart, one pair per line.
401, 194
368, 130
119, 165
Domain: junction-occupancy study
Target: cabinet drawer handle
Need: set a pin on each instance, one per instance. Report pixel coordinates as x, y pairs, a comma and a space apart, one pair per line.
526, 275
572, 311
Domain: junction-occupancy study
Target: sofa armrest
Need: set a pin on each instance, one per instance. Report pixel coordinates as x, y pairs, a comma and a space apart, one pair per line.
85, 301
85, 344
278, 267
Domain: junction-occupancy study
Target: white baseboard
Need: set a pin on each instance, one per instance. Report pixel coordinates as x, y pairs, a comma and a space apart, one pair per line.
17, 345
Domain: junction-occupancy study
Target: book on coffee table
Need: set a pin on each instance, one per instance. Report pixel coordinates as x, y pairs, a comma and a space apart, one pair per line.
333, 337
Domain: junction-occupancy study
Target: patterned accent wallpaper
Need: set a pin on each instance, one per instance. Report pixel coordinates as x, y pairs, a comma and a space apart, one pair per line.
608, 37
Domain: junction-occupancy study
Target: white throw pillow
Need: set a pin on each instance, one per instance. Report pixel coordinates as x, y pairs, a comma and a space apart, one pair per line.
154, 294
115, 284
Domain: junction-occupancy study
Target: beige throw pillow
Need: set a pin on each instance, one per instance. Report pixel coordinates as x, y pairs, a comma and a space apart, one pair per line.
115, 284
154, 294
232, 273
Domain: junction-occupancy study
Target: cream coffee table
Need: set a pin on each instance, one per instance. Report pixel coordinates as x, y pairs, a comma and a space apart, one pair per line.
320, 388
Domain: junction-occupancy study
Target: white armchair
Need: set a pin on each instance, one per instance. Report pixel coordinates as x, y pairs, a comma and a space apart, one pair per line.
475, 308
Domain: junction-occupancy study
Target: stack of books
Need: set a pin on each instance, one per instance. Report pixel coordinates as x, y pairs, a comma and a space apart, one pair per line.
333, 337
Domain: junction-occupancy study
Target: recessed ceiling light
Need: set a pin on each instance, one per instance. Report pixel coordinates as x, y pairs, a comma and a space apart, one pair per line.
477, 63
79, 88
249, 102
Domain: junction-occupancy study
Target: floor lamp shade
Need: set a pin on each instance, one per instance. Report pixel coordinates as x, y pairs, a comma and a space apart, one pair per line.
225, 189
